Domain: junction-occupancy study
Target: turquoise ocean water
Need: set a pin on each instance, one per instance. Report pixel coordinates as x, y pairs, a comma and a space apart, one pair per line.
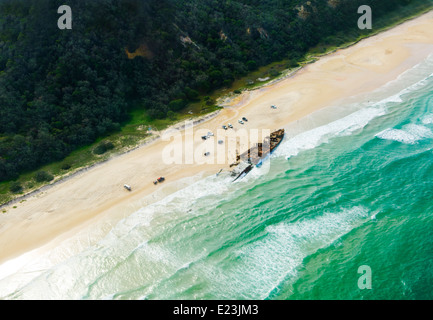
351, 185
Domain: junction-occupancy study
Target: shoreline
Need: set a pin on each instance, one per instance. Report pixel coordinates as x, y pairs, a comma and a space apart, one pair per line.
95, 193
120, 153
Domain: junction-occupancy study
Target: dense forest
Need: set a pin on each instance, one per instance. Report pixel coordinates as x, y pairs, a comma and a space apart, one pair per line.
62, 89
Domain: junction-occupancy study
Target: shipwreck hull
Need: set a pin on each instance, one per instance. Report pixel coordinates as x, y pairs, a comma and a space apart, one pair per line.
257, 154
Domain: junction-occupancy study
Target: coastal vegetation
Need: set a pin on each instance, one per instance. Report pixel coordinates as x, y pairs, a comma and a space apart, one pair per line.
68, 97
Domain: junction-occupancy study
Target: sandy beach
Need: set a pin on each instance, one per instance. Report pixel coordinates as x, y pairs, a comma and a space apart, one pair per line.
97, 194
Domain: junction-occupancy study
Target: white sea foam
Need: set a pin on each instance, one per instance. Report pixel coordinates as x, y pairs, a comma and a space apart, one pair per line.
427, 119
277, 256
341, 127
409, 134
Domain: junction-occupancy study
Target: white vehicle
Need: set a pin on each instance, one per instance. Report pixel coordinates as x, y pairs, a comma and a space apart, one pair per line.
230, 125
209, 134
240, 121
127, 187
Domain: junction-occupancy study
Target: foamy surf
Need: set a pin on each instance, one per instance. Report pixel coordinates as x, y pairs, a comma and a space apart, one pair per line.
409, 134
324, 134
276, 257
427, 119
